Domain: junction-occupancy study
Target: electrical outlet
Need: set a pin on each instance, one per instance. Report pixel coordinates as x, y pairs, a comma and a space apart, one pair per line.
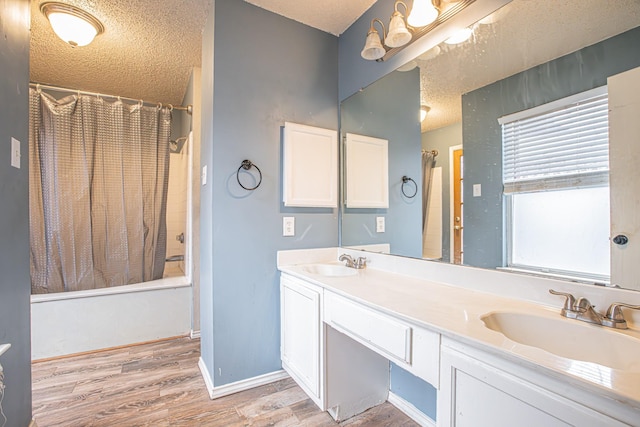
288, 226
204, 175
380, 224
477, 190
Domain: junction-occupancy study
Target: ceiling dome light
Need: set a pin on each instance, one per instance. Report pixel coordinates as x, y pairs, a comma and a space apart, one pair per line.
71, 24
423, 13
460, 36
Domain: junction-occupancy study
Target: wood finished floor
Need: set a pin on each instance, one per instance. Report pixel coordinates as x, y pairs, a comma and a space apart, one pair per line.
159, 384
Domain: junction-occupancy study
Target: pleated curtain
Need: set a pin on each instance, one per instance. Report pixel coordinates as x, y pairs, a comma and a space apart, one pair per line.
97, 192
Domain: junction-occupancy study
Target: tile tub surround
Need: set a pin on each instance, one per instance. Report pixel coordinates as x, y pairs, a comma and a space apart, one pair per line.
450, 299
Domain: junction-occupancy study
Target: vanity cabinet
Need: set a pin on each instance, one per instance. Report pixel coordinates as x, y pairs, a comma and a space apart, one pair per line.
301, 335
482, 390
338, 350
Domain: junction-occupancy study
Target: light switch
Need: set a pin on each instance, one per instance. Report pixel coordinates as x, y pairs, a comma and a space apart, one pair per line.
204, 175
288, 226
15, 153
380, 224
477, 190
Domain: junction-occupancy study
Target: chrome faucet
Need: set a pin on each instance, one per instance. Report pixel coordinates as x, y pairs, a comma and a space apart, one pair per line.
359, 263
583, 310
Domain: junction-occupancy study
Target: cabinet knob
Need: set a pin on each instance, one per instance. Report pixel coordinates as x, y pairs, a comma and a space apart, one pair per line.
620, 239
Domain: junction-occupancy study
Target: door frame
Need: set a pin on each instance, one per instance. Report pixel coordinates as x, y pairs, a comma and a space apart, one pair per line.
451, 199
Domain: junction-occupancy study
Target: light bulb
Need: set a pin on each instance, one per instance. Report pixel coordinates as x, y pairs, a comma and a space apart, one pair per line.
423, 13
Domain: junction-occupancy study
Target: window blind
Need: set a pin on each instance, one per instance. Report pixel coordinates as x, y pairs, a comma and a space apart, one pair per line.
567, 146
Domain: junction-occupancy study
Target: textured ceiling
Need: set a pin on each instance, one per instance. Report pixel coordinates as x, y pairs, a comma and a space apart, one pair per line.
149, 47
331, 16
146, 52
525, 33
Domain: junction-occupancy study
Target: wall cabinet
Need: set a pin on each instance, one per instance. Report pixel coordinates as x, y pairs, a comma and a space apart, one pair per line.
310, 166
480, 390
366, 172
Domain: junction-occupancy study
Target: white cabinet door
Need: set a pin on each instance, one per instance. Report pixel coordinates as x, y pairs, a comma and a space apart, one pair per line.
301, 334
624, 157
477, 394
366, 172
310, 166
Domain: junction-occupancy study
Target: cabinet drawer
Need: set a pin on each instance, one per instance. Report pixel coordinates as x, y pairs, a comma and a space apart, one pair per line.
381, 333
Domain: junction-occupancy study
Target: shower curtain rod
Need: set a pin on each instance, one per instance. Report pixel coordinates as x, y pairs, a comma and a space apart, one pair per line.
188, 108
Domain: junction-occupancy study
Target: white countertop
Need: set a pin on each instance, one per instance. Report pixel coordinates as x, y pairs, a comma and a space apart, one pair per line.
456, 312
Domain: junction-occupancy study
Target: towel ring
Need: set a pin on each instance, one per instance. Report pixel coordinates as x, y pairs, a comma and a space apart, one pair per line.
246, 165
406, 179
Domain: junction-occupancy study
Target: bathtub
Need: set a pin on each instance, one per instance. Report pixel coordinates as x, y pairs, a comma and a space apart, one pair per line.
75, 322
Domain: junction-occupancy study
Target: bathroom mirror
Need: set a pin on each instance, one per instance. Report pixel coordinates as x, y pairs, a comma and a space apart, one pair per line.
521, 41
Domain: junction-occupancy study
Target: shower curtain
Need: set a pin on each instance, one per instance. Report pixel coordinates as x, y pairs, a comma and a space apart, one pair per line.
97, 192
428, 160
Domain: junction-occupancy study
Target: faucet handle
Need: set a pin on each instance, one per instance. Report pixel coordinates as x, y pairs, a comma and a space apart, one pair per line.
582, 304
361, 262
569, 302
614, 312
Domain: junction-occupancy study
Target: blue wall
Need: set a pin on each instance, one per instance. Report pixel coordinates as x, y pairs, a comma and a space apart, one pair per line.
15, 284
388, 109
574, 73
419, 393
268, 70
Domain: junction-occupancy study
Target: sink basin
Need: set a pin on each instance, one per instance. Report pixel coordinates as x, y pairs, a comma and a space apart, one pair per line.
567, 338
330, 270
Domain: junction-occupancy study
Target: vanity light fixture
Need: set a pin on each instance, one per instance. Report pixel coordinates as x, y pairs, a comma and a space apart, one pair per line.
72, 24
422, 14
424, 110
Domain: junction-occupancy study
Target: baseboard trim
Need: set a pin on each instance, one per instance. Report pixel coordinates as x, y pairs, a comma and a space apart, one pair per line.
102, 350
238, 386
411, 411
206, 377
195, 334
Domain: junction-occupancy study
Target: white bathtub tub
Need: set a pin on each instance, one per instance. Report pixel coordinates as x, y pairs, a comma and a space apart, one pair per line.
75, 322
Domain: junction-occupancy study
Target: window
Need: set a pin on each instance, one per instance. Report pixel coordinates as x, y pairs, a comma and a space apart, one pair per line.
555, 162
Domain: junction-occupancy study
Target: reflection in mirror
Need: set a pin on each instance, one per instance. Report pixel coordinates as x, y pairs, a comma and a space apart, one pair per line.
518, 58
